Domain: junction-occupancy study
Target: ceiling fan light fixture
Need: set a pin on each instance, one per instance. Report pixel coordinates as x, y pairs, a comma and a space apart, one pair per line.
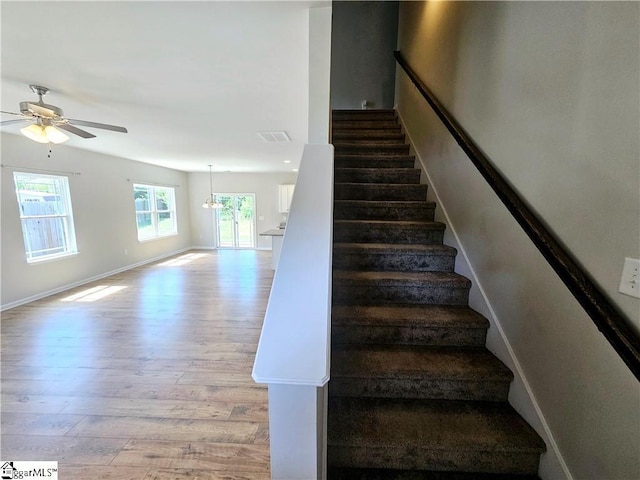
42, 134
54, 135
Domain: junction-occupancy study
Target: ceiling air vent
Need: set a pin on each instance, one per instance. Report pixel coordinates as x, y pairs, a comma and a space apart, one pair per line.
274, 137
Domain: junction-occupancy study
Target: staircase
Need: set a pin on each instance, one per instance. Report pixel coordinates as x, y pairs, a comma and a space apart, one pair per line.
414, 393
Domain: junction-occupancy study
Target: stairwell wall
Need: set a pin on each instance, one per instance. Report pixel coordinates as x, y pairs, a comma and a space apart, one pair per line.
362, 44
549, 90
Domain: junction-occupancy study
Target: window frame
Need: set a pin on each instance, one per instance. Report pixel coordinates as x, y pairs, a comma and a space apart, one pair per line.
69, 246
155, 212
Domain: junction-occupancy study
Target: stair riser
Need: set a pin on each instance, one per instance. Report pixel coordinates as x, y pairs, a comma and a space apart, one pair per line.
413, 335
360, 116
370, 149
400, 161
407, 293
368, 134
374, 175
365, 124
413, 457
384, 474
488, 391
385, 233
404, 262
364, 191
422, 212
387, 140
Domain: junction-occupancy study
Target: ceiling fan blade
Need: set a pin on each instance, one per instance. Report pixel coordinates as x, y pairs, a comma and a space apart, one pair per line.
104, 126
12, 113
75, 130
40, 110
10, 122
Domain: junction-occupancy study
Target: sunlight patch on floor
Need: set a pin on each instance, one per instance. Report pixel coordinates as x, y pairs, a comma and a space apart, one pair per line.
94, 293
182, 260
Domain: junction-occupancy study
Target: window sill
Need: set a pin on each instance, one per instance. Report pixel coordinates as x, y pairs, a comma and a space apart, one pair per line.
51, 258
151, 239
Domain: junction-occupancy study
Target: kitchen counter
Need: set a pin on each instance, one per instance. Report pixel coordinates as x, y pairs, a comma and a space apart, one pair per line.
274, 232
276, 235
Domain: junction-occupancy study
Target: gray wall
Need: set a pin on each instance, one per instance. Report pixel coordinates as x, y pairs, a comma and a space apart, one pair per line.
549, 90
364, 36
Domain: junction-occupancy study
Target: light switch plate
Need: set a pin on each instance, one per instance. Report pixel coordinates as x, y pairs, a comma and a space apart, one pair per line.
630, 281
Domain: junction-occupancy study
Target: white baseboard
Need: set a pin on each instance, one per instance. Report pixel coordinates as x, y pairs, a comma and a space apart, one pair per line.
209, 247
94, 278
556, 467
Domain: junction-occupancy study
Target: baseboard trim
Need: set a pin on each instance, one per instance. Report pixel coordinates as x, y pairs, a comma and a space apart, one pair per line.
513, 360
94, 278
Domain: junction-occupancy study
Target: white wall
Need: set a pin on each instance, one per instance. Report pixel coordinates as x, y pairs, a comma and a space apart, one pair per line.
319, 74
549, 90
104, 216
265, 187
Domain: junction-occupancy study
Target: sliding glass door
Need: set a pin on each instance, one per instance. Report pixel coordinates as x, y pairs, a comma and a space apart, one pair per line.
236, 220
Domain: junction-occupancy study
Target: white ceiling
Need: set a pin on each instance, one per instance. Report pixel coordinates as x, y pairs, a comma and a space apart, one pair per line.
193, 82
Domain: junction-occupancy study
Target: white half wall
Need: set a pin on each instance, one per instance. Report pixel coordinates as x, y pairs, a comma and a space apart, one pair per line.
103, 211
549, 91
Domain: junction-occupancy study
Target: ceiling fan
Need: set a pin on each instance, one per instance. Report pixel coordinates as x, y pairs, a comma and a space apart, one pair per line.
48, 120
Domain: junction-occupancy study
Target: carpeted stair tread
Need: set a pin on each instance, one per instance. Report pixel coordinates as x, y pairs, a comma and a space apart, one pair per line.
383, 210
363, 161
355, 248
365, 124
388, 231
393, 257
361, 112
399, 287
390, 203
368, 134
431, 434
398, 223
386, 474
372, 147
401, 361
351, 277
371, 135
380, 191
441, 325
442, 316
377, 175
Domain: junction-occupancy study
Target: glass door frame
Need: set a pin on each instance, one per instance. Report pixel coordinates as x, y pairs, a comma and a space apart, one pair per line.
235, 230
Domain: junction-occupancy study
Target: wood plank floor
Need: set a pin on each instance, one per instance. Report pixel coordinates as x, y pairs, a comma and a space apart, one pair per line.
145, 375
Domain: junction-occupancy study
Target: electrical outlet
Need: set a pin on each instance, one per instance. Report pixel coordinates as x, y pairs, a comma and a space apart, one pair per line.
630, 281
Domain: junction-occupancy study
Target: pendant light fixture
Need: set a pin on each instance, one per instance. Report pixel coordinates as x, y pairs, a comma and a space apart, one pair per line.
210, 202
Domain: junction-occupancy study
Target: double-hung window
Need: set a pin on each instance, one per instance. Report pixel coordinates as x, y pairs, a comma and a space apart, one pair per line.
45, 215
155, 211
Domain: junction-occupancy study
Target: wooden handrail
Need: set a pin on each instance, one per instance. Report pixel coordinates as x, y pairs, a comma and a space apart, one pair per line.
607, 317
